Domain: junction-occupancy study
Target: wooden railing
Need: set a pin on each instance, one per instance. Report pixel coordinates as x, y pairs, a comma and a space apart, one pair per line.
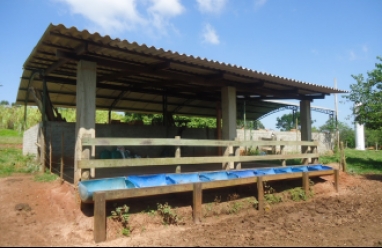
228, 159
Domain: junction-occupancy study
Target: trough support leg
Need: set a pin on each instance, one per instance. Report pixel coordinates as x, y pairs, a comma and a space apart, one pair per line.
305, 182
197, 203
260, 194
99, 217
336, 179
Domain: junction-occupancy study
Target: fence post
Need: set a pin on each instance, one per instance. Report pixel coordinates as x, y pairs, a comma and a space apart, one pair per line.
178, 155
282, 152
225, 165
314, 151
197, 198
237, 154
305, 151
260, 194
343, 159
305, 182
99, 217
62, 157
336, 179
50, 150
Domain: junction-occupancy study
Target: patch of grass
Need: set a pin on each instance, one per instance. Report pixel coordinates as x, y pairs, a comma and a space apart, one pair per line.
359, 162
45, 177
235, 207
298, 194
8, 136
12, 161
271, 198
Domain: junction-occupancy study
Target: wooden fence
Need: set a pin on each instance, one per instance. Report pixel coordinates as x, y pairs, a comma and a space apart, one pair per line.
230, 159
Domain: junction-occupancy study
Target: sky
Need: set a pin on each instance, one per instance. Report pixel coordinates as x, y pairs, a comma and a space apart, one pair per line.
313, 41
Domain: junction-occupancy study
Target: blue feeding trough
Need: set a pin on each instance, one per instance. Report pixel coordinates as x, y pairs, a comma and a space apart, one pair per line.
183, 178
148, 180
300, 169
87, 188
240, 174
213, 176
261, 172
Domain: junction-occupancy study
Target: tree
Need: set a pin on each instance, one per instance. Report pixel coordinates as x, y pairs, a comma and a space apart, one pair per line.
286, 122
3, 102
366, 94
346, 133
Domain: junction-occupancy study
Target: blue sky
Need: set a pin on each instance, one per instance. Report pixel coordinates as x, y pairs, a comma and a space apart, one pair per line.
311, 41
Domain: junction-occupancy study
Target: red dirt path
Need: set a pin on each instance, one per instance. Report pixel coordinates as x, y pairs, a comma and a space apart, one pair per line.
48, 214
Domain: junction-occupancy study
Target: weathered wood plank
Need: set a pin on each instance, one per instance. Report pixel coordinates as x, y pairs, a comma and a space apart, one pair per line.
185, 142
99, 216
107, 163
336, 179
140, 192
305, 182
260, 194
197, 199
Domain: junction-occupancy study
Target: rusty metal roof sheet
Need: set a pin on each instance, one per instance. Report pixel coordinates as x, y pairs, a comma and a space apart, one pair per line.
134, 77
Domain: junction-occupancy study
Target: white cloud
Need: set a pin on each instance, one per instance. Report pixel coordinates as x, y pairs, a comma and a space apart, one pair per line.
259, 3
209, 35
121, 15
365, 48
211, 6
352, 55
162, 10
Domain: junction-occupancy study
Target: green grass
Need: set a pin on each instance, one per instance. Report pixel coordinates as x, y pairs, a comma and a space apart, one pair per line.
12, 161
46, 177
8, 136
358, 162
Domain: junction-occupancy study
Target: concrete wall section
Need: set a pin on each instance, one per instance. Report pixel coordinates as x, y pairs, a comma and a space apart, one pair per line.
30, 140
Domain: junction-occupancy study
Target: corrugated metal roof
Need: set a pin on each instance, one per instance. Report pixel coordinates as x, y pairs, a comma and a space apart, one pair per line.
145, 73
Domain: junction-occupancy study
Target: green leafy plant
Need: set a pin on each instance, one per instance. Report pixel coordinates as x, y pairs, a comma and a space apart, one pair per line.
121, 215
235, 208
169, 217
298, 194
271, 198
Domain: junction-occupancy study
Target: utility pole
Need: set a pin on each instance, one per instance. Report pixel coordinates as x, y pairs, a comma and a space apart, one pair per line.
336, 107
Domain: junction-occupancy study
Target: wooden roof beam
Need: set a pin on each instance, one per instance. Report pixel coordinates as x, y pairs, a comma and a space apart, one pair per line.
81, 49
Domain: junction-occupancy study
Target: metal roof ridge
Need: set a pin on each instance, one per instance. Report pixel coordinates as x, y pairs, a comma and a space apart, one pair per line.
126, 43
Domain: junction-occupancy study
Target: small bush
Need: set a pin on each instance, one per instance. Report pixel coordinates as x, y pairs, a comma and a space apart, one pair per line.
169, 217
271, 198
121, 215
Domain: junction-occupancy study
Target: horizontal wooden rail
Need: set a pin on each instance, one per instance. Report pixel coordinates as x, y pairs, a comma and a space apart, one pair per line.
186, 142
109, 163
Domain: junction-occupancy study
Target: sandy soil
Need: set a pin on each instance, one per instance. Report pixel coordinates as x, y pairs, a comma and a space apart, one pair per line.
49, 214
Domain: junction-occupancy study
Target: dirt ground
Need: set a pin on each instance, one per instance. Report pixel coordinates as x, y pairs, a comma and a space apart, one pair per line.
49, 214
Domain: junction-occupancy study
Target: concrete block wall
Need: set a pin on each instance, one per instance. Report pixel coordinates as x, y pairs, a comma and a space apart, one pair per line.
30, 140
324, 140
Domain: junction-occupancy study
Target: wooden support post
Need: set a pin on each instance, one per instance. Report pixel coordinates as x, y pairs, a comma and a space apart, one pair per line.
305, 151
343, 159
50, 150
62, 157
237, 154
314, 151
260, 194
225, 165
305, 182
336, 179
99, 217
178, 155
219, 125
197, 198
282, 152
